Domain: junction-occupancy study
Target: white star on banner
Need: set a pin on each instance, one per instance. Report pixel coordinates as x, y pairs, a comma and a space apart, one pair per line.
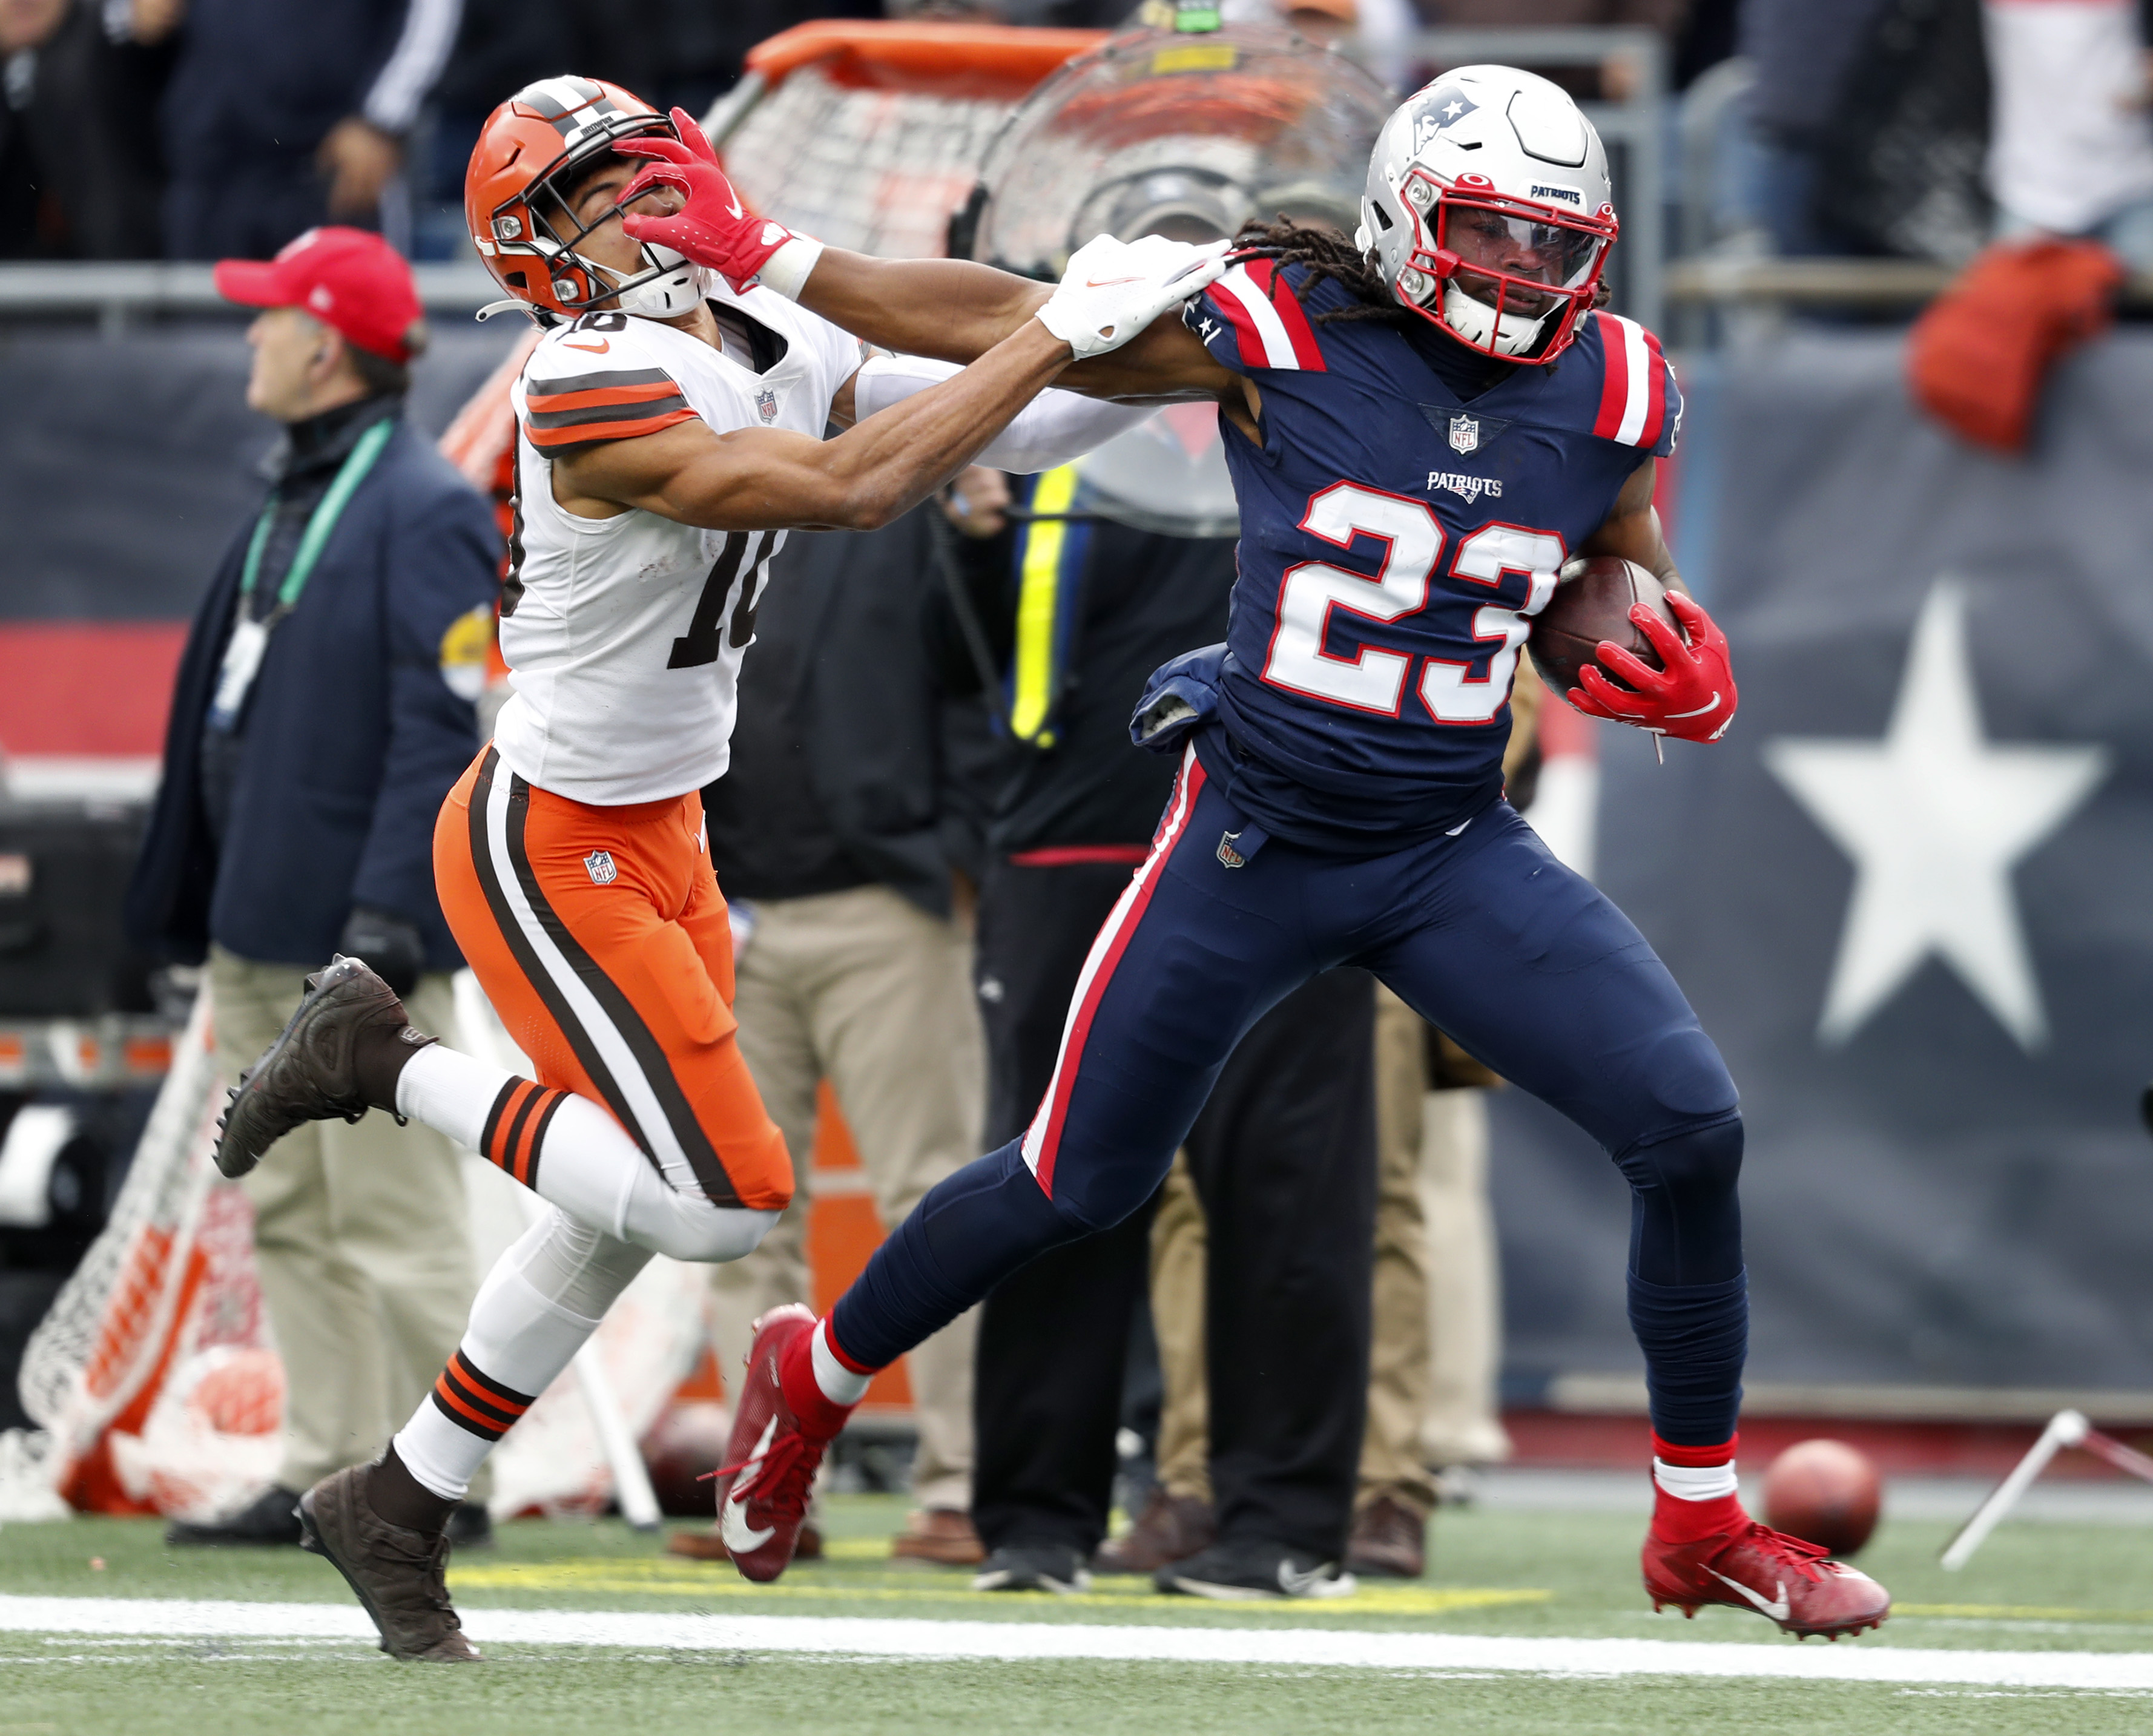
1935, 818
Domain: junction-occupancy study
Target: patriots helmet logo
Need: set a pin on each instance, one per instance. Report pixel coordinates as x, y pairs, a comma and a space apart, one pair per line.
1464, 435
1442, 107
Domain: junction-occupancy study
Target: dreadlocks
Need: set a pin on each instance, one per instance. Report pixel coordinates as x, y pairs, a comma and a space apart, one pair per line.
1326, 254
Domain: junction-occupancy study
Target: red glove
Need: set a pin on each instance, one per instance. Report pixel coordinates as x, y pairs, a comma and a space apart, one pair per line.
712, 227
1691, 699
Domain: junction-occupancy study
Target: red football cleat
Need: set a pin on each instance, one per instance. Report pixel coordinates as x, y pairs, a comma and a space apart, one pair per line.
769, 1462
1792, 1582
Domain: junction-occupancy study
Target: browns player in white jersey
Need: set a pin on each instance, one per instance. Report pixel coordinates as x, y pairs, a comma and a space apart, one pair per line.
670, 431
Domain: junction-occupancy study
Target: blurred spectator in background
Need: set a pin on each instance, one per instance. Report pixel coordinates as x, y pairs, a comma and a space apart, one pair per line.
684, 52
2070, 150
280, 117
500, 45
852, 947
1282, 1160
322, 710
80, 173
1617, 80
1803, 52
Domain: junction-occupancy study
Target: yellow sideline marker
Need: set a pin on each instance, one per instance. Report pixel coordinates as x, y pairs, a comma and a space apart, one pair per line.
672, 1578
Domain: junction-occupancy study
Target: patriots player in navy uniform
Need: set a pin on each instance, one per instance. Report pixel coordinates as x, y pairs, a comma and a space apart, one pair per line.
1424, 427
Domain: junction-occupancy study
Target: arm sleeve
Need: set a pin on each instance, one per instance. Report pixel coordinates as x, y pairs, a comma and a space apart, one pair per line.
440, 592
413, 65
1054, 428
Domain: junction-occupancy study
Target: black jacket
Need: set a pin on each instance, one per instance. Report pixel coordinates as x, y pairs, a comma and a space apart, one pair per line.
838, 775
79, 168
1133, 599
262, 81
352, 734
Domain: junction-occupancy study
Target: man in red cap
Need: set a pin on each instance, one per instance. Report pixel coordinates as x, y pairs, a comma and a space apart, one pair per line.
323, 710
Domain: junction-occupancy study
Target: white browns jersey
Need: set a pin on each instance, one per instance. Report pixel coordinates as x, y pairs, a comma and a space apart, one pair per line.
623, 636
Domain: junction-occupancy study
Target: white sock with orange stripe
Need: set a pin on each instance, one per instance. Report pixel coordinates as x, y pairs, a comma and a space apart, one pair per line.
542, 1299
450, 1092
570, 1152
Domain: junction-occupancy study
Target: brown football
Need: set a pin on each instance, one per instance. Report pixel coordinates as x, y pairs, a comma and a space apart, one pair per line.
1591, 603
1824, 1492
685, 1445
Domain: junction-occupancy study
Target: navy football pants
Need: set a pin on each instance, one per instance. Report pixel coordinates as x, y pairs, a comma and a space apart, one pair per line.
1483, 934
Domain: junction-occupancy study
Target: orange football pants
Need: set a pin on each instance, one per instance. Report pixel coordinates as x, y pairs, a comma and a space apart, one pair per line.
600, 936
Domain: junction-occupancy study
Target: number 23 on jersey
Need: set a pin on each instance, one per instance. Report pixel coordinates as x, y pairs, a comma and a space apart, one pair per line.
1374, 680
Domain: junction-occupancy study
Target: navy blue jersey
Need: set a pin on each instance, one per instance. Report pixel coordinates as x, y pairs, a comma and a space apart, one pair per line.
1395, 543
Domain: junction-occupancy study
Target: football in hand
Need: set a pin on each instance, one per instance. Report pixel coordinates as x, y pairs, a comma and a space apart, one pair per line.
1824, 1492
1591, 603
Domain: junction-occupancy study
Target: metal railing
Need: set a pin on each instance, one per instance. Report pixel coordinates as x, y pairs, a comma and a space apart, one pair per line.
118, 295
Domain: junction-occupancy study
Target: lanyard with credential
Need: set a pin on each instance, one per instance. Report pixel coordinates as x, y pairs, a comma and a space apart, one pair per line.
250, 637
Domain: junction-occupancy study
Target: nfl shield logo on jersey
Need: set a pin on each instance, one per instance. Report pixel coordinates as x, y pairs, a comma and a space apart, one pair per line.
766, 404
599, 863
1464, 435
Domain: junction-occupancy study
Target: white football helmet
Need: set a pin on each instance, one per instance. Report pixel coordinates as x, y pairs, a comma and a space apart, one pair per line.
1488, 210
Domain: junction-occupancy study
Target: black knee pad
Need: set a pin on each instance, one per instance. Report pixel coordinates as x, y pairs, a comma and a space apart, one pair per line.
1700, 1163
1686, 1221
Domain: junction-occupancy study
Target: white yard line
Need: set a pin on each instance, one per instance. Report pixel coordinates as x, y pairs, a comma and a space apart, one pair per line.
858, 1636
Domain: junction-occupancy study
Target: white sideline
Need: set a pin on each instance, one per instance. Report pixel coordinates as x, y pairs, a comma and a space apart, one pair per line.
856, 1636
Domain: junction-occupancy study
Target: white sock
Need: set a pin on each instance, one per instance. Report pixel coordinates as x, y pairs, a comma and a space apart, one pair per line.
1695, 1482
839, 1385
445, 1089
584, 1163
540, 1303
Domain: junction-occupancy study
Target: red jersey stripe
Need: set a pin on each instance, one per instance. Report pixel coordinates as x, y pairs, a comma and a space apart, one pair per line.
1246, 337
1614, 388
1306, 352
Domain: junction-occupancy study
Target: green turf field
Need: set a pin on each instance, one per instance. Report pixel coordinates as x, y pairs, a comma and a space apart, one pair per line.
2035, 1588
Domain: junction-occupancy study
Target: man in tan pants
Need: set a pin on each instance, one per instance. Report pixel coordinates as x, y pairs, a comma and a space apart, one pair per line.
362, 1244
866, 990
833, 837
321, 711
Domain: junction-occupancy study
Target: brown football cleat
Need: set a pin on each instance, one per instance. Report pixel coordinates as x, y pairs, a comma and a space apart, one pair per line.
1791, 1583
348, 1031
400, 1575
1171, 1528
1389, 1541
940, 1535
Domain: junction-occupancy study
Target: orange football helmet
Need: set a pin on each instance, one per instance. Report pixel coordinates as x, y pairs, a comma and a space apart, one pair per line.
513, 205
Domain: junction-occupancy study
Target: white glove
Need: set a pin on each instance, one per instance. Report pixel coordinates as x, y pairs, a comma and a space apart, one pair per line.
1113, 290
